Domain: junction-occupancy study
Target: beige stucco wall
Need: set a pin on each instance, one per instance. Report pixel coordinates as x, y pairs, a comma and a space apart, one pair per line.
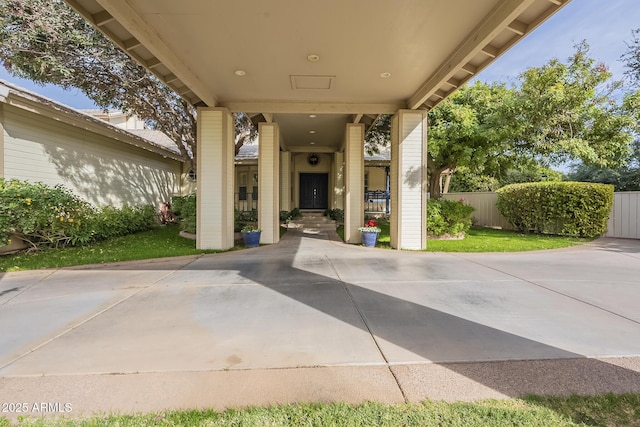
101, 170
375, 178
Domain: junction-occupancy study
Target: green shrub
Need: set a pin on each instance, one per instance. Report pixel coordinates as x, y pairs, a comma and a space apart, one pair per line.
563, 208
286, 216
244, 218
448, 217
184, 208
45, 216
111, 222
335, 214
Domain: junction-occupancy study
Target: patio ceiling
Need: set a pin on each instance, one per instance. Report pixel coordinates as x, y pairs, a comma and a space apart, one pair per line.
286, 59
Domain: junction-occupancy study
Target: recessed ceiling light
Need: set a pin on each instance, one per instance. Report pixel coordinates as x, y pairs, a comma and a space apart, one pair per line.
385, 75
313, 116
312, 131
240, 73
313, 58
312, 143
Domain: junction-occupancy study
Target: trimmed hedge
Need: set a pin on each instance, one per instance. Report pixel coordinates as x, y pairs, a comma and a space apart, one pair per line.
448, 217
563, 208
46, 216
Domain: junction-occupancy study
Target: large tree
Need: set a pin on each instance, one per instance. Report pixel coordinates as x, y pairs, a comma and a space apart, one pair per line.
559, 112
464, 131
47, 42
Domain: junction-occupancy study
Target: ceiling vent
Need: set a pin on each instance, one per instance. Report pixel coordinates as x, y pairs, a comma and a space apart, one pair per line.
312, 82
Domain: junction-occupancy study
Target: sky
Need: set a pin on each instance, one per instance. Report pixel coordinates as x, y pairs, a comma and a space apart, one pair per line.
605, 24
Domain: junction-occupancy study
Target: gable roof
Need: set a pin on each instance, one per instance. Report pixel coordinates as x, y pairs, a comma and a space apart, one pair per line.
27, 100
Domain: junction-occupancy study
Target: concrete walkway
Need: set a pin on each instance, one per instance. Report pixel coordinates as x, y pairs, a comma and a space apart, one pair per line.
313, 319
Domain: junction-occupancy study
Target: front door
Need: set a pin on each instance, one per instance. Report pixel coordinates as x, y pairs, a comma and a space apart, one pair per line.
314, 190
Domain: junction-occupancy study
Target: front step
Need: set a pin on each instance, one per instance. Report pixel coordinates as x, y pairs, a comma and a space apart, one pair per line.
313, 221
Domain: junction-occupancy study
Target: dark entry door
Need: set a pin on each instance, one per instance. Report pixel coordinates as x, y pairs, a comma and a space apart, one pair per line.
314, 190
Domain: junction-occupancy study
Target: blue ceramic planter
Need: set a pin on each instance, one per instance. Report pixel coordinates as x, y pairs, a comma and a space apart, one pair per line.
369, 238
251, 238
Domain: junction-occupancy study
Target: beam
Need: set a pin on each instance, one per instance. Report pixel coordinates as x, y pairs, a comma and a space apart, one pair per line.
101, 18
469, 68
152, 63
504, 13
131, 43
132, 22
518, 27
311, 107
491, 51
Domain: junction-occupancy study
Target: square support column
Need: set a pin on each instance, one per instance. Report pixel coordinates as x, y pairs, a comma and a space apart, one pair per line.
285, 181
409, 180
338, 180
269, 182
1, 140
354, 182
215, 134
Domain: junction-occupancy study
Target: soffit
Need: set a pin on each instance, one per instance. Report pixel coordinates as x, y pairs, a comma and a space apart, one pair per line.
429, 47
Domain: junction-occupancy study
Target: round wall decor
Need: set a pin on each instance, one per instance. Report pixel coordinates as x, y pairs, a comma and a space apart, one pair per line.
313, 159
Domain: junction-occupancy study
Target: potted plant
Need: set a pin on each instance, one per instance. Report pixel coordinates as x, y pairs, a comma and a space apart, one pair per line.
369, 233
251, 235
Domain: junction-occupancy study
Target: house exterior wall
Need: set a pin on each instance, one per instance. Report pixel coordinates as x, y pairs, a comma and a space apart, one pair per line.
375, 178
100, 169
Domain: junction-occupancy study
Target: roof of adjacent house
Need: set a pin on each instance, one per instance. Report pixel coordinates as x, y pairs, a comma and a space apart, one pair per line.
36, 103
250, 152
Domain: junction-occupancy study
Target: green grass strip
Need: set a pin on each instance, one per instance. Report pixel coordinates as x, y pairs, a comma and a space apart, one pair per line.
157, 243
487, 240
605, 410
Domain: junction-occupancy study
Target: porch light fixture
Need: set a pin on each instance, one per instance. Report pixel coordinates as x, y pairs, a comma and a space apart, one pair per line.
385, 75
240, 73
313, 58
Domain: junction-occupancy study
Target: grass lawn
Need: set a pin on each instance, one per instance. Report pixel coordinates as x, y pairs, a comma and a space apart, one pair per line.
159, 242
487, 240
606, 410
156, 243
166, 242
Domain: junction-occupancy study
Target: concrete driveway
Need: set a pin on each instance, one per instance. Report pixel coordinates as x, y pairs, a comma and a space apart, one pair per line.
313, 319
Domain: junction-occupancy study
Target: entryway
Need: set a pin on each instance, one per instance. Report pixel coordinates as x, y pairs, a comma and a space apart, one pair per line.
314, 190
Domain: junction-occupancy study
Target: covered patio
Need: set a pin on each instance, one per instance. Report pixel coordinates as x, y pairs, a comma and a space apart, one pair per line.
314, 77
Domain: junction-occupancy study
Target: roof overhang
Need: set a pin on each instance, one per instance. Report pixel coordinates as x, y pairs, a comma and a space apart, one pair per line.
35, 104
336, 57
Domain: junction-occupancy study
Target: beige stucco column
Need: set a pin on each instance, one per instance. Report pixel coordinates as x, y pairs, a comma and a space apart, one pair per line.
354, 182
285, 180
408, 180
215, 179
1, 140
338, 180
269, 182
